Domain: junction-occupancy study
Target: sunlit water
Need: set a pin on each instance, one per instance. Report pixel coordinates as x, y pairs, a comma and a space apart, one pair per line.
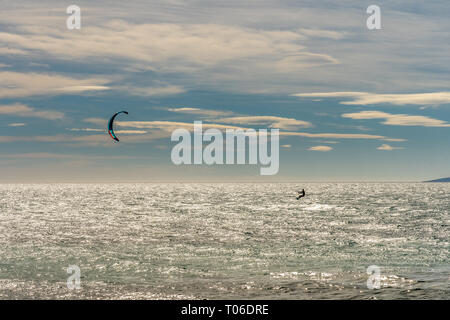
223, 241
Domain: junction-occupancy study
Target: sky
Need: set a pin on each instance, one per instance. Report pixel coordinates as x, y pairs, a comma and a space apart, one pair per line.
351, 104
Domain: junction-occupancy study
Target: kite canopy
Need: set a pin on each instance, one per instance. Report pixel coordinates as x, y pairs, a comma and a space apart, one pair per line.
110, 125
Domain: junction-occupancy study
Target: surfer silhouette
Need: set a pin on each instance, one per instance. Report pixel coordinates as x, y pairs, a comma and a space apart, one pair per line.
301, 194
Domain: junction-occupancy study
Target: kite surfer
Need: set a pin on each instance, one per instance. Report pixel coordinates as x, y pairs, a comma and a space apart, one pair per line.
301, 194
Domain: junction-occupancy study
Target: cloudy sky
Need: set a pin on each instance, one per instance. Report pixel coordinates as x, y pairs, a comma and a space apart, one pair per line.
351, 104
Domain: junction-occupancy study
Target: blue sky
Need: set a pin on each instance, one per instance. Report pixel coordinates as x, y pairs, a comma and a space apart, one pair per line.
351, 104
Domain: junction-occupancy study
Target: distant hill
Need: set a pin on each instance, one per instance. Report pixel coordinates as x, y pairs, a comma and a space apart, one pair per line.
440, 180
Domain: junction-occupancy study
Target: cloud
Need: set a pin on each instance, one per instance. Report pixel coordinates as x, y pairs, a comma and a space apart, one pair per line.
243, 50
394, 140
169, 126
104, 130
11, 51
75, 89
7, 139
22, 110
398, 119
332, 142
170, 46
86, 129
203, 44
271, 121
387, 147
16, 84
47, 155
162, 129
201, 112
365, 98
321, 33
339, 136
130, 131
92, 140
153, 91
303, 60
321, 148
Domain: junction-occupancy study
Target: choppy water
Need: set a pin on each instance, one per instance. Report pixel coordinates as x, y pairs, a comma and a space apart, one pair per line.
221, 241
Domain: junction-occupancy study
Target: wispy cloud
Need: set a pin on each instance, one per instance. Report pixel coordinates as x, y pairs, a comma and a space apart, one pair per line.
201, 112
175, 47
48, 155
169, 126
323, 33
331, 142
86, 129
153, 91
70, 140
21, 110
398, 119
270, 121
321, 148
130, 131
339, 136
386, 147
365, 98
12, 51
75, 89
17, 84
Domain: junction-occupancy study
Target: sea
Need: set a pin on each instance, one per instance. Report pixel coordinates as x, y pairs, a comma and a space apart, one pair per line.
225, 241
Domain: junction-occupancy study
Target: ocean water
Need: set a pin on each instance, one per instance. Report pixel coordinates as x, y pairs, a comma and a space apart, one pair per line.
225, 241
